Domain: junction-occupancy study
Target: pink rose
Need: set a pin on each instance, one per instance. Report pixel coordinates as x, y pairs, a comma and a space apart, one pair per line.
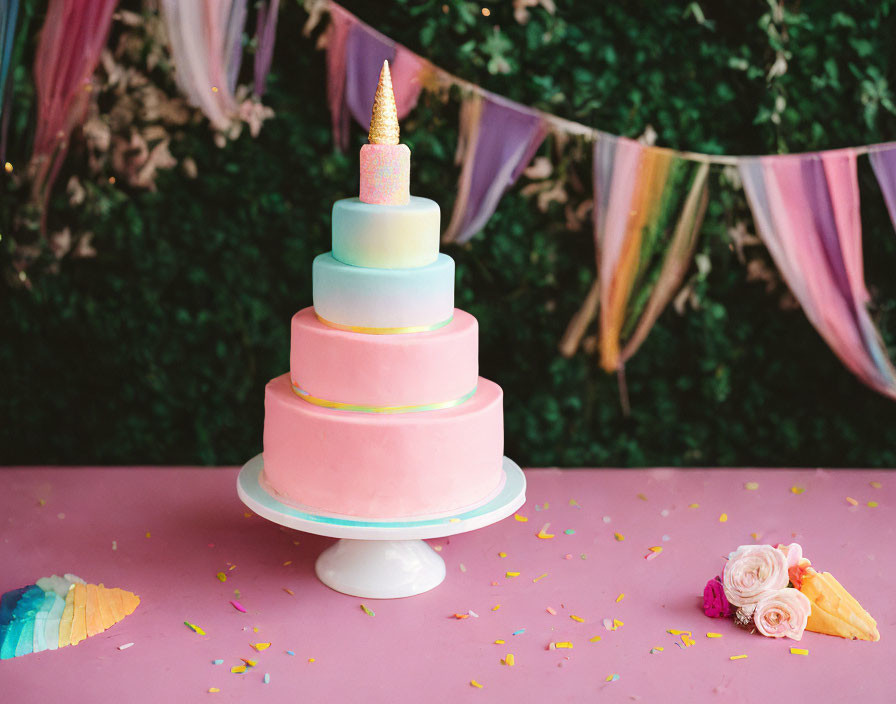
783, 613
752, 571
715, 604
793, 553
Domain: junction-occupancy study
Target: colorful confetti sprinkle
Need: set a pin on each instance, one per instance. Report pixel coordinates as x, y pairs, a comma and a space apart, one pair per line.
518, 631
799, 651
654, 651
125, 646
213, 690
193, 627
289, 591
500, 641
619, 537
687, 640
875, 485
872, 504
797, 489
238, 606
238, 669
755, 536
612, 678
752, 486
521, 519
511, 574
290, 652
620, 598
737, 657
496, 607
713, 635
677, 632
367, 611
267, 678
573, 502
502, 554
217, 662
221, 577
693, 505
577, 618
509, 660
595, 639
851, 501
463, 567
461, 616
570, 531
564, 644
541, 576
311, 660
475, 684
249, 663
723, 518
551, 611
543, 533
642, 497
260, 646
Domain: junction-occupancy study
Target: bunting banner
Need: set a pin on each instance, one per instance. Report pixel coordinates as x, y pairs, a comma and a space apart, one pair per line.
265, 34
807, 212
643, 252
72, 38
497, 140
883, 162
355, 54
205, 42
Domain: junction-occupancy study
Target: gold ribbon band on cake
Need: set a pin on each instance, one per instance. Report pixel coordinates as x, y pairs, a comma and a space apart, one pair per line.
385, 331
340, 406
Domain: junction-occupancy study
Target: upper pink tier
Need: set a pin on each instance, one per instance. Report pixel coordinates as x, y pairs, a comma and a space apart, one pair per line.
385, 174
383, 466
384, 370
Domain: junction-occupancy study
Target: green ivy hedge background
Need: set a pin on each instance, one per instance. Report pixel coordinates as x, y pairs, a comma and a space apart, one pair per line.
157, 350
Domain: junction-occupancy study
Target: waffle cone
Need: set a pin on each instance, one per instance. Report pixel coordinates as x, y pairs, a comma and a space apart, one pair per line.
834, 610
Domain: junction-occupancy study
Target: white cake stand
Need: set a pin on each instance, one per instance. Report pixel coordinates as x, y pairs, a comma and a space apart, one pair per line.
380, 559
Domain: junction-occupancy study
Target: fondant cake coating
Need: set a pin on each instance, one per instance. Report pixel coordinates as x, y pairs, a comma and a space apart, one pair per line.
383, 466
357, 296
385, 370
386, 237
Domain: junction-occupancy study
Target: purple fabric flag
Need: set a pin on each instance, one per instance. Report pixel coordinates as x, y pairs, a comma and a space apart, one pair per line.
265, 35
883, 162
498, 139
355, 56
806, 209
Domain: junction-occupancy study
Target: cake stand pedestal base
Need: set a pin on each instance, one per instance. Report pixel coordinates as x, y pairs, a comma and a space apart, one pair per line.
380, 569
380, 558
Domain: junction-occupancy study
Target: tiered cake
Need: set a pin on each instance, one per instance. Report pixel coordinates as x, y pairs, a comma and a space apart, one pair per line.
383, 413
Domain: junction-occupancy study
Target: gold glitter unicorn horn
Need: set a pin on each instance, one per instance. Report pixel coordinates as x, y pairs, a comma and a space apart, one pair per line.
384, 122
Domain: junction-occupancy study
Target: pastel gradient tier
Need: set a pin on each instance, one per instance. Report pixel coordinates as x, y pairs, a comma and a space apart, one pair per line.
384, 299
339, 368
385, 174
386, 236
383, 466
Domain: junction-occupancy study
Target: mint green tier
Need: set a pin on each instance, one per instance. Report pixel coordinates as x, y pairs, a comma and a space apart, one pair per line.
386, 236
383, 299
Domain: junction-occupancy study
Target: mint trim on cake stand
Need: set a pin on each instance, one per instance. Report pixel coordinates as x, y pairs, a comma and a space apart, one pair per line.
380, 559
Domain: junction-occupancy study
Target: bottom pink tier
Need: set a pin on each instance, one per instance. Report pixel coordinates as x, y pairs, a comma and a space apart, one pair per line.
383, 466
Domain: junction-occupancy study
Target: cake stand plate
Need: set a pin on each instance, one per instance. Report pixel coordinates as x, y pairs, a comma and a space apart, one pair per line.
380, 559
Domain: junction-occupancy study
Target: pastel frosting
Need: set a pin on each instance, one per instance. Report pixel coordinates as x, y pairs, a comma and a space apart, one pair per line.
386, 236
58, 611
383, 466
385, 370
383, 298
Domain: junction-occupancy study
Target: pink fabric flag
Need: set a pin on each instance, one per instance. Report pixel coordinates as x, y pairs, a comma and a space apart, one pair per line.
73, 36
806, 209
497, 140
355, 55
205, 46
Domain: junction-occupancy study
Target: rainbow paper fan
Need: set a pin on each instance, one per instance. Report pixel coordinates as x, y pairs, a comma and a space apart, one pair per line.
58, 611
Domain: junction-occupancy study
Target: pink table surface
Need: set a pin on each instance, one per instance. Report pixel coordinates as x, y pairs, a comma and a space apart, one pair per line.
176, 528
